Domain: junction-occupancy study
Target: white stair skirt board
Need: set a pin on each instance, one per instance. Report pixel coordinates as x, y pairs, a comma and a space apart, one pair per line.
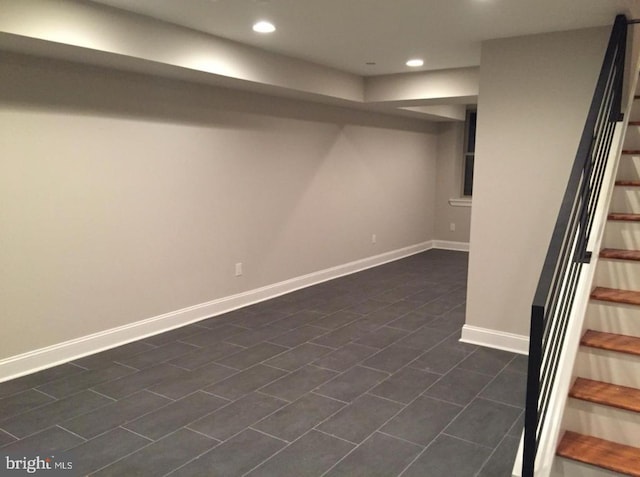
517, 465
449, 245
36, 360
495, 339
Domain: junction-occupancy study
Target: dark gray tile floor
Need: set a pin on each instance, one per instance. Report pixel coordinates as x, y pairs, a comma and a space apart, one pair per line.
360, 376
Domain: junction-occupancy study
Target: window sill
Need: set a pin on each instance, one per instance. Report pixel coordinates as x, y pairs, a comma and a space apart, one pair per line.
461, 202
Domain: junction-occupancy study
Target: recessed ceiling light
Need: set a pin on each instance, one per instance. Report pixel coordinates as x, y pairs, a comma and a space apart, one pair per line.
414, 63
264, 27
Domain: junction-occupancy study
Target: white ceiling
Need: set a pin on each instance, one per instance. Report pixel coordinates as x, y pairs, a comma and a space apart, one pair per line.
345, 34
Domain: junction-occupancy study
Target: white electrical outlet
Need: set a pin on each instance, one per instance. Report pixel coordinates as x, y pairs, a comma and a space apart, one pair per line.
452, 227
238, 269
374, 239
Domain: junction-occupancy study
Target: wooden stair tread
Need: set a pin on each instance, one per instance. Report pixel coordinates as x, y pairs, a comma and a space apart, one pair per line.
624, 217
630, 151
620, 254
605, 454
630, 297
611, 342
628, 183
608, 394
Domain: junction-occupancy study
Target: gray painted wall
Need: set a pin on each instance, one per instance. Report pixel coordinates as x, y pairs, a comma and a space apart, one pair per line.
126, 196
534, 95
449, 185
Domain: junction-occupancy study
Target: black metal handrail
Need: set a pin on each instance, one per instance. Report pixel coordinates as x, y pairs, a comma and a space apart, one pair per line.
553, 300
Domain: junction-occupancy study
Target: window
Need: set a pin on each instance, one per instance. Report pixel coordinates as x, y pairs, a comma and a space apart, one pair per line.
469, 153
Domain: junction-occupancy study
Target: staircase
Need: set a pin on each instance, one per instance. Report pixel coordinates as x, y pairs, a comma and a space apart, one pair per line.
602, 416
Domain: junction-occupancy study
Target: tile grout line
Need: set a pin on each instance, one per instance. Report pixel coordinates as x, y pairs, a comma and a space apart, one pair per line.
60, 426
317, 393
34, 408
124, 456
132, 431
272, 456
443, 433
405, 468
268, 435
333, 435
8, 433
258, 391
202, 434
422, 446
493, 451
162, 395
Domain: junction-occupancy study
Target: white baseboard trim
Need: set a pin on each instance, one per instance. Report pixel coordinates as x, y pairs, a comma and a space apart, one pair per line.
495, 339
36, 360
449, 245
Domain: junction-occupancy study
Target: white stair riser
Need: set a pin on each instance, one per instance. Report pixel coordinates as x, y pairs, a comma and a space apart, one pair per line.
632, 139
604, 422
615, 318
625, 199
622, 274
629, 167
620, 234
608, 366
634, 114
570, 468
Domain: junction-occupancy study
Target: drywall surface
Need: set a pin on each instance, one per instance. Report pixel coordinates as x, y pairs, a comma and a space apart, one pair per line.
102, 30
126, 196
450, 86
534, 95
449, 185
